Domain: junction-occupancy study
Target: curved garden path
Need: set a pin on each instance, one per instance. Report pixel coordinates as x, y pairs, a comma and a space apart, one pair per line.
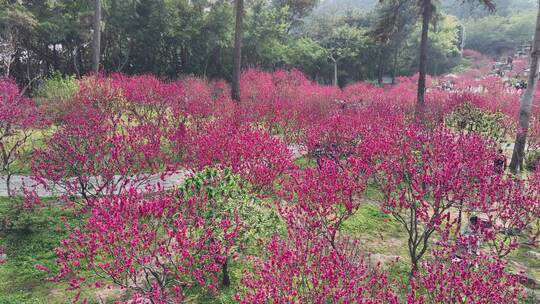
20, 182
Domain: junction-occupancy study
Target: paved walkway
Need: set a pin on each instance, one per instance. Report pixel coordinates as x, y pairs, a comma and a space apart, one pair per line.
18, 183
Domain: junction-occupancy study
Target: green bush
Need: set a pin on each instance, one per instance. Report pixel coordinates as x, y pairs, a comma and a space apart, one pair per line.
57, 87
228, 193
470, 118
54, 95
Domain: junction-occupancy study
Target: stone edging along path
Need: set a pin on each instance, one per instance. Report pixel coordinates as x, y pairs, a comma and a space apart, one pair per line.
19, 182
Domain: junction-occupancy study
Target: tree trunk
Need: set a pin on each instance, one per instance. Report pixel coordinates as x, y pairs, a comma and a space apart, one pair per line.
516, 164
380, 68
10, 52
75, 65
8, 185
8, 68
463, 37
335, 78
56, 62
237, 60
426, 17
459, 219
220, 63
97, 37
226, 280
414, 267
395, 64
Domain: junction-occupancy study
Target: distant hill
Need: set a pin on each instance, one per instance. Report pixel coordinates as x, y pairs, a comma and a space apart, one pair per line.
459, 8
342, 6
475, 10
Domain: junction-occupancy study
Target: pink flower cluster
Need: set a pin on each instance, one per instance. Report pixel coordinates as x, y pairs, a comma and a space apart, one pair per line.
479, 280
304, 270
158, 247
254, 154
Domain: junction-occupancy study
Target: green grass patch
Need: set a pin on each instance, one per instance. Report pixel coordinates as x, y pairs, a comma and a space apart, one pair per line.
226, 294
29, 237
372, 193
399, 272
521, 259
370, 220
305, 162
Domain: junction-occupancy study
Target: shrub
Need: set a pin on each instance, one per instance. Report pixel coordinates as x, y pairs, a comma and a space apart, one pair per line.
446, 281
57, 87
470, 118
304, 269
55, 95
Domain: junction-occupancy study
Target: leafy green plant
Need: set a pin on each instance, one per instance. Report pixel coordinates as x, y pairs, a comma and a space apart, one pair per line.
470, 118
57, 87
55, 94
230, 194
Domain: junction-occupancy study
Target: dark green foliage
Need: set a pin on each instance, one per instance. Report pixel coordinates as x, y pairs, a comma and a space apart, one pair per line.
172, 38
296, 9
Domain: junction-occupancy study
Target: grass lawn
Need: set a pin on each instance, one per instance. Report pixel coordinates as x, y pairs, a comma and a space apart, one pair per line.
29, 238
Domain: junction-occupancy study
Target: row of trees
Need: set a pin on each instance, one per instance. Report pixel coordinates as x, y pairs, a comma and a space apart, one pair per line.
176, 37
